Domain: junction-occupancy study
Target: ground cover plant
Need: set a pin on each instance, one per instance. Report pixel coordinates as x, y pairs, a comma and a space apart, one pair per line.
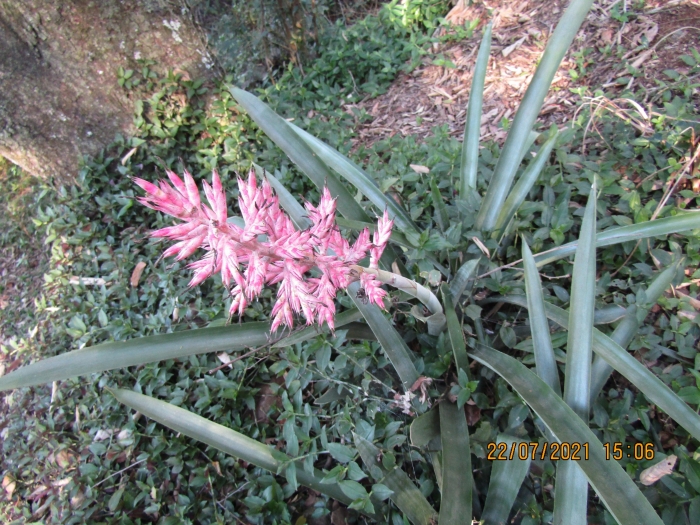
338, 375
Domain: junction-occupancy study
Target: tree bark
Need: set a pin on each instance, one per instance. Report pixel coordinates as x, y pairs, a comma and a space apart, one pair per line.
59, 96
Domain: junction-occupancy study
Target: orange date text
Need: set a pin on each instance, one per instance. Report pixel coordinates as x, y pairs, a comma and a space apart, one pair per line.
523, 450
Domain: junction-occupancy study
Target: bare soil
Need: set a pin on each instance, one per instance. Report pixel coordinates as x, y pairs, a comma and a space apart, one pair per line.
433, 95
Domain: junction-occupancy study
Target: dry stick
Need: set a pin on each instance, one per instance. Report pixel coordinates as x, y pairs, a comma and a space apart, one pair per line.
230, 363
643, 56
119, 472
418, 291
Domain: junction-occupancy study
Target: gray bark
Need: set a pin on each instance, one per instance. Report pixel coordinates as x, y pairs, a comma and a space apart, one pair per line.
59, 96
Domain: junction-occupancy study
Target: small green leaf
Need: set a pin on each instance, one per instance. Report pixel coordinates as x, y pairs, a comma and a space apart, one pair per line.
461, 279
440, 208
352, 489
473, 312
381, 491
116, 499
355, 472
425, 427
340, 452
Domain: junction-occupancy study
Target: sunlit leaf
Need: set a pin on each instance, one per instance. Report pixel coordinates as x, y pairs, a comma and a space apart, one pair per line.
472, 128
109, 356
512, 153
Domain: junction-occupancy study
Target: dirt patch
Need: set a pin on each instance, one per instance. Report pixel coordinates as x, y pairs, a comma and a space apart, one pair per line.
437, 92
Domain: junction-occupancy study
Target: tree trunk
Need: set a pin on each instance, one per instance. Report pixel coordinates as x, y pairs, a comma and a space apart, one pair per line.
59, 96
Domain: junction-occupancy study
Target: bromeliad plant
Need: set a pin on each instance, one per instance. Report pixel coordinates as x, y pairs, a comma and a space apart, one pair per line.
305, 253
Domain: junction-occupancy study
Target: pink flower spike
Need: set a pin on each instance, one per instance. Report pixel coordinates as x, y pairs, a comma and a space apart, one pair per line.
383, 231
177, 182
375, 294
381, 237
248, 262
149, 187
239, 303
192, 191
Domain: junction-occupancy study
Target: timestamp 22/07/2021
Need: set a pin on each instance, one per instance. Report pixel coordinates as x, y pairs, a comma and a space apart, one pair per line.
504, 451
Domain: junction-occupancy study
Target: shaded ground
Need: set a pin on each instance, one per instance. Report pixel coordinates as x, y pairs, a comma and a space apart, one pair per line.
23, 260
434, 94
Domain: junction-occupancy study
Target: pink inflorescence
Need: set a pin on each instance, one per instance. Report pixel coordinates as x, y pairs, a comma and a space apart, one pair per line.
247, 264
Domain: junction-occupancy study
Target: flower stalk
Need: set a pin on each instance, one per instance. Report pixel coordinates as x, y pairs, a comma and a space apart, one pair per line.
414, 289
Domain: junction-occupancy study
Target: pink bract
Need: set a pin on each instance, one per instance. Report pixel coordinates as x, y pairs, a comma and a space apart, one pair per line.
286, 257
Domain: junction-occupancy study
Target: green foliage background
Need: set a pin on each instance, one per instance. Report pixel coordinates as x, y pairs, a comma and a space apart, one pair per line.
99, 464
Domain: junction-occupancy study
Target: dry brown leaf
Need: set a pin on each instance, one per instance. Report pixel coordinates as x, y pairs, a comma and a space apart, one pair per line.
128, 155
508, 50
38, 492
9, 484
473, 414
654, 473
136, 274
651, 31
87, 281
64, 458
482, 246
419, 169
225, 359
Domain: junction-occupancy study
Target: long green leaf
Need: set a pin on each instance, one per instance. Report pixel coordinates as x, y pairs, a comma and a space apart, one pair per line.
406, 495
545, 362
358, 178
122, 354
225, 440
472, 128
299, 152
578, 347
287, 201
613, 485
456, 503
685, 221
525, 183
636, 373
512, 152
571, 487
393, 344
504, 485
454, 329
461, 279
629, 326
